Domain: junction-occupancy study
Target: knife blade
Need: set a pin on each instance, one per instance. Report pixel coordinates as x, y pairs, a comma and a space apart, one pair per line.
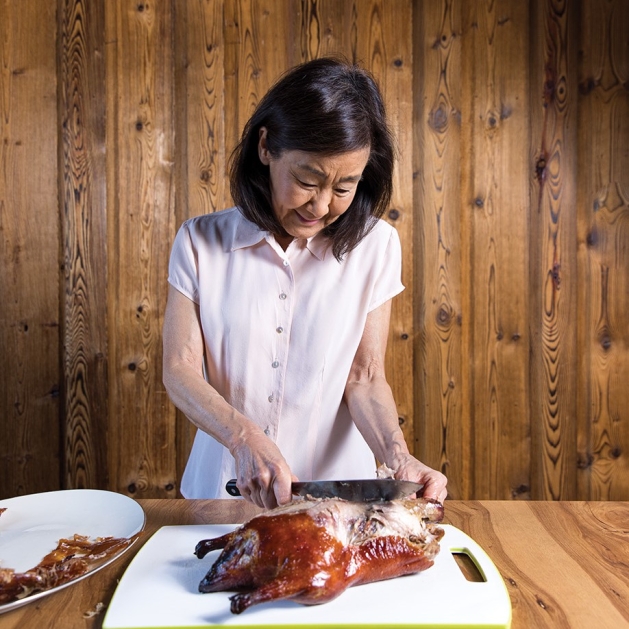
364, 490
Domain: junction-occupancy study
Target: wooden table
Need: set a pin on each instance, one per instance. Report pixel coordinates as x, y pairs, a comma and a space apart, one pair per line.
565, 564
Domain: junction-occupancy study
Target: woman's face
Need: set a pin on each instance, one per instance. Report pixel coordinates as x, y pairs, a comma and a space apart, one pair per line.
310, 191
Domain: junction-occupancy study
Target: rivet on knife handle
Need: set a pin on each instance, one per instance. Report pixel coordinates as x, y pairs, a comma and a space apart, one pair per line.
231, 488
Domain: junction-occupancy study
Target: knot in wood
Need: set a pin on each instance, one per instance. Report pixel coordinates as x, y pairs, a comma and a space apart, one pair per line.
592, 238
443, 316
438, 119
520, 489
394, 214
605, 341
556, 275
587, 86
584, 461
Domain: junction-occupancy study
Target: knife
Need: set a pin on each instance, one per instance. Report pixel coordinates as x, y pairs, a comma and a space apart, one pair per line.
366, 490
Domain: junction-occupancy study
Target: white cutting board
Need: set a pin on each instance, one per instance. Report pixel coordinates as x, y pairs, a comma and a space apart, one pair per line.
160, 589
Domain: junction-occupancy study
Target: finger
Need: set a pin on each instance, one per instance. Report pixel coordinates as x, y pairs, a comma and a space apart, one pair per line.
268, 498
253, 494
282, 492
433, 490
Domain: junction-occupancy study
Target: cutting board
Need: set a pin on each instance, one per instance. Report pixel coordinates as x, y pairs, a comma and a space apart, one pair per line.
160, 589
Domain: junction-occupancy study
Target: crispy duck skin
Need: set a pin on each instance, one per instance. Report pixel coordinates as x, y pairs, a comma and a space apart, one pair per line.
71, 559
311, 551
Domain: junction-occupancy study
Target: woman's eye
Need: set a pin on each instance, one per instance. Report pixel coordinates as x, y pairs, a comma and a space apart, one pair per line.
341, 191
305, 184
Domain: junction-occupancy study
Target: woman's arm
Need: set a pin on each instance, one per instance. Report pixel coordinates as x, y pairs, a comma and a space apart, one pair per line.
262, 473
373, 409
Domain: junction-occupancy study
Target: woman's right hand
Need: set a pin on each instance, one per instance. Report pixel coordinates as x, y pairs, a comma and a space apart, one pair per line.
262, 474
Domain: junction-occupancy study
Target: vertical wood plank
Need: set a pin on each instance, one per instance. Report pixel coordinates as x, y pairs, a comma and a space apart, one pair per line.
438, 312
553, 254
201, 104
325, 28
603, 224
140, 134
262, 54
84, 238
30, 377
495, 140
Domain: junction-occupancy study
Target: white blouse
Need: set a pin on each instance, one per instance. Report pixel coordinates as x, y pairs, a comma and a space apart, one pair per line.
281, 330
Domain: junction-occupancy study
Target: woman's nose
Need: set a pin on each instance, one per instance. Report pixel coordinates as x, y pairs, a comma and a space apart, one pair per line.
320, 204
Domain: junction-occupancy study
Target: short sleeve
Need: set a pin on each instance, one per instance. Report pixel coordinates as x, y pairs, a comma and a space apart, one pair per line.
388, 283
183, 272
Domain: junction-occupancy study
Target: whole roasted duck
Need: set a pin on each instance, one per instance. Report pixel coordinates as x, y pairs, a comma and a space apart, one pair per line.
310, 551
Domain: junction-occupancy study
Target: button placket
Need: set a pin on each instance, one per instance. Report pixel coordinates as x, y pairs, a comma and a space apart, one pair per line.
278, 364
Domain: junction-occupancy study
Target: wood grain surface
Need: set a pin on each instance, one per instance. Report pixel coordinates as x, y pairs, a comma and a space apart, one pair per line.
140, 193
31, 390
509, 349
603, 253
553, 236
84, 246
565, 564
440, 384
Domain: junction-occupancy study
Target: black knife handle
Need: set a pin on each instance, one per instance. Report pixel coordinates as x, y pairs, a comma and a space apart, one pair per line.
231, 488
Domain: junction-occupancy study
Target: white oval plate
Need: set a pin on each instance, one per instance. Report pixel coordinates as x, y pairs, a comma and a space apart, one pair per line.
32, 526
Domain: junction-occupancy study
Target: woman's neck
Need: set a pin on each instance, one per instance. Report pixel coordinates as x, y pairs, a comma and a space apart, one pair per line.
284, 241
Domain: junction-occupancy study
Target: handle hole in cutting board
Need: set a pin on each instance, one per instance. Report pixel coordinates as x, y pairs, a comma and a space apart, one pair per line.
468, 566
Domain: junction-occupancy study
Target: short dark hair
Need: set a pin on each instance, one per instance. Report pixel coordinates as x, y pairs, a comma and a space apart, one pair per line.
326, 106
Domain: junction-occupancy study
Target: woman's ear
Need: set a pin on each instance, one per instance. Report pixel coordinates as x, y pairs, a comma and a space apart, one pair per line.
263, 151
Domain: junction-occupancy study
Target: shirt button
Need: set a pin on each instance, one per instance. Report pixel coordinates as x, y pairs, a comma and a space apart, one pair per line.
282, 295
271, 398
286, 263
267, 431
275, 364
279, 330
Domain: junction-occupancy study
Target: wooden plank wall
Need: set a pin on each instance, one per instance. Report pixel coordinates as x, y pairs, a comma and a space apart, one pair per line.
509, 349
30, 276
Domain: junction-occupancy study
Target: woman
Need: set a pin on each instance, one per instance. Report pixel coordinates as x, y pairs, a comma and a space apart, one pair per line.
278, 309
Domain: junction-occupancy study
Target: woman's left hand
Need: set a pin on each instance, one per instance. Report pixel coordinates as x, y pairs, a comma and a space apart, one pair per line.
407, 467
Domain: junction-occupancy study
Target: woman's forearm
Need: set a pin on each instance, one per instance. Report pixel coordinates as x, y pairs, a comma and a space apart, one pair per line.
184, 381
205, 407
374, 412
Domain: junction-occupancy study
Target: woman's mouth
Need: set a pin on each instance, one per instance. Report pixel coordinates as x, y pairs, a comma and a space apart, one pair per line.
307, 221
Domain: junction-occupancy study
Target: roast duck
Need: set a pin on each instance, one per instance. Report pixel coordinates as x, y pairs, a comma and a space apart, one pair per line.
310, 551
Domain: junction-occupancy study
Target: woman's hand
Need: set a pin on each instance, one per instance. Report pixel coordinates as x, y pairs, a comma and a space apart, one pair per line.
262, 474
407, 467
